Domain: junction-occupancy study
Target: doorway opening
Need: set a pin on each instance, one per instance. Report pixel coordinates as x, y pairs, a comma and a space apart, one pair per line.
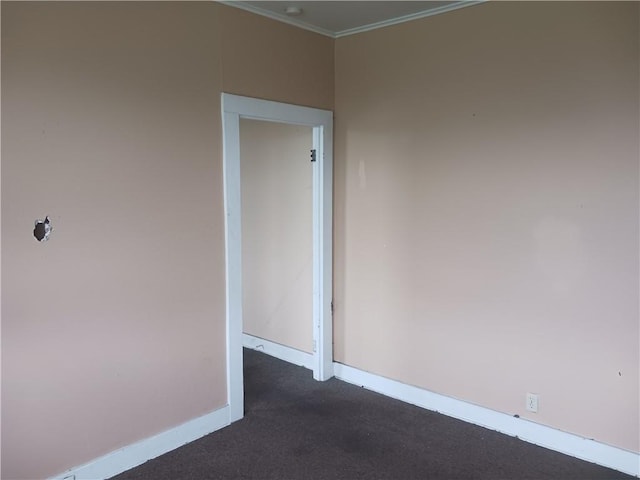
276, 187
234, 109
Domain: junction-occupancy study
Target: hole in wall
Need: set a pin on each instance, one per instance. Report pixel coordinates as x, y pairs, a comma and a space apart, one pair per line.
42, 229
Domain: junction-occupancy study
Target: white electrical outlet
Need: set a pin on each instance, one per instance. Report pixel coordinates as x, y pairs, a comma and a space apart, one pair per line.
532, 402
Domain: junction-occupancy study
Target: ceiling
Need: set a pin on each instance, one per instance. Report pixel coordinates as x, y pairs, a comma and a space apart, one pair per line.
339, 18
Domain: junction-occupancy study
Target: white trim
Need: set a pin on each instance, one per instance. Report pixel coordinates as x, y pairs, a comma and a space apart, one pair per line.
323, 249
233, 261
137, 453
407, 18
350, 31
233, 108
551, 438
288, 354
270, 111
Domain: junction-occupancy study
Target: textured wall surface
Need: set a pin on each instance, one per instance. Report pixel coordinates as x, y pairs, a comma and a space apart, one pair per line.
114, 329
486, 222
267, 59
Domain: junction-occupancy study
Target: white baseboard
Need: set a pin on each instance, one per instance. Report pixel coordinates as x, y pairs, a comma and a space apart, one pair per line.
133, 455
567, 443
136, 454
288, 354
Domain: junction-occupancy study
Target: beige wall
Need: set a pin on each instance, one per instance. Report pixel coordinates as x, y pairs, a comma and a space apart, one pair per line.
267, 59
277, 242
486, 227
113, 330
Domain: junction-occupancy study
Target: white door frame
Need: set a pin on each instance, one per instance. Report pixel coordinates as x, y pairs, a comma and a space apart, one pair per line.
235, 107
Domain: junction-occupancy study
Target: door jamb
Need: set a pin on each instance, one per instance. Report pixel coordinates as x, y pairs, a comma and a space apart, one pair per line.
233, 108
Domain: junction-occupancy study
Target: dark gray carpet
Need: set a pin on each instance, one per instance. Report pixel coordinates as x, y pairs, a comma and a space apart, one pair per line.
296, 428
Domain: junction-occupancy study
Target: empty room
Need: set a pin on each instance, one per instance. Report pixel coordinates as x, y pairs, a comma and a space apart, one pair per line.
409, 228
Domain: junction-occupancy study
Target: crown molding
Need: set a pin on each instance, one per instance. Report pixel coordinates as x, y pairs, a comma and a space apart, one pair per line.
407, 18
351, 31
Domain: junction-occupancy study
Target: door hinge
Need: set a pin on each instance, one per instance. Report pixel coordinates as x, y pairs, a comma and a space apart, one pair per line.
332, 308
313, 155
